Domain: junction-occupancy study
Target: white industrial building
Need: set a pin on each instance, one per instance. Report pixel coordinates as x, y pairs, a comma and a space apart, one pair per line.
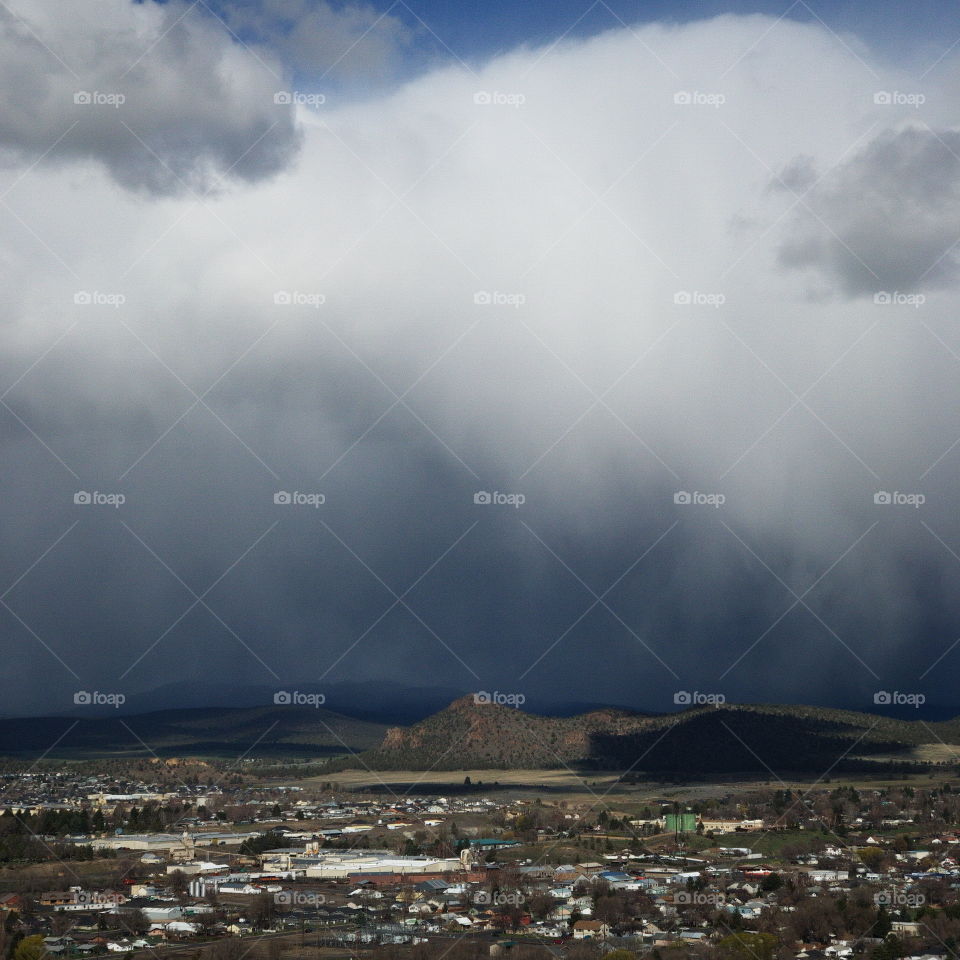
336, 864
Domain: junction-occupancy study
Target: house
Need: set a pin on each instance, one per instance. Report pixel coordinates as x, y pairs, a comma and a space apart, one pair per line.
486, 845
55, 945
590, 930
719, 826
620, 881
160, 914
57, 898
143, 890
247, 889
839, 949
583, 904
433, 885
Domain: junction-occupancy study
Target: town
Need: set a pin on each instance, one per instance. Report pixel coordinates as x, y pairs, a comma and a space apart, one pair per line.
154, 858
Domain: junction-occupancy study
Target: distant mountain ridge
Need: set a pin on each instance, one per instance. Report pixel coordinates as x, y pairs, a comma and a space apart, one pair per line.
706, 739
467, 734
267, 731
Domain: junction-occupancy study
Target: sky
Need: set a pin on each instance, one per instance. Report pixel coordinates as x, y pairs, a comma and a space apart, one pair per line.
593, 353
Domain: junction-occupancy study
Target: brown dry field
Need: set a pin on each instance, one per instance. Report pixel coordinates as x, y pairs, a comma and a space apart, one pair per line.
574, 787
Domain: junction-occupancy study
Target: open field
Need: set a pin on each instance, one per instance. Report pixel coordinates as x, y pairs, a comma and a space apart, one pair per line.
60, 874
565, 784
572, 786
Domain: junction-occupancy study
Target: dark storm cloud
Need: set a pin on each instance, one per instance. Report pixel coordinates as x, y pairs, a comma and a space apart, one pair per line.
159, 96
453, 292
887, 219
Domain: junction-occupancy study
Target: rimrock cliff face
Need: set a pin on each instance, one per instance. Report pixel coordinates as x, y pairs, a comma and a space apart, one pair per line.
471, 733
725, 738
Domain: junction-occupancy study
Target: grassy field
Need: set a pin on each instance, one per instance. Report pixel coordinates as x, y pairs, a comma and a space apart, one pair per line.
574, 787
564, 783
771, 844
59, 875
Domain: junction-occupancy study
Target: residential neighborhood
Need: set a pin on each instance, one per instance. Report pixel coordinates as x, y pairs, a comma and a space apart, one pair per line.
146, 866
